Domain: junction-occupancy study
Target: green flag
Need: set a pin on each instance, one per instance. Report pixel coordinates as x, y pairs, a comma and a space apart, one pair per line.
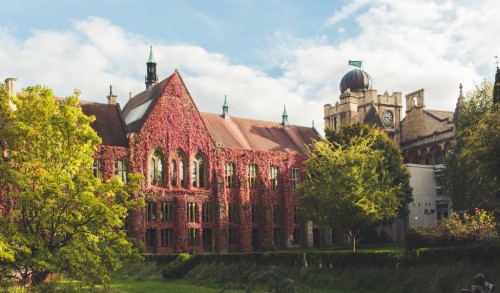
356, 63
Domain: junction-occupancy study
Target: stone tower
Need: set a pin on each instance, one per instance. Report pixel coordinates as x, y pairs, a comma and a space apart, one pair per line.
360, 103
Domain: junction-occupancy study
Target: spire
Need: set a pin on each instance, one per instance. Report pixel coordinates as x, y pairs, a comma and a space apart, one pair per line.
225, 109
151, 76
460, 104
151, 58
285, 117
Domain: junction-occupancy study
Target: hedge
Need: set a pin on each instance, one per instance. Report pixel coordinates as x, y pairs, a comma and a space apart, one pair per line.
177, 265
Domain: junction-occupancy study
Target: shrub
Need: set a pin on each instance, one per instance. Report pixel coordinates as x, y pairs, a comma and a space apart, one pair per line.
456, 230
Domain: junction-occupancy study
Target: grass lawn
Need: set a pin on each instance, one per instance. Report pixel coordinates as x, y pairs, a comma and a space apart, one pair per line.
134, 286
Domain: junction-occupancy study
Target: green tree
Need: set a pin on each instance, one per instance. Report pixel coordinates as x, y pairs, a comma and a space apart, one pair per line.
60, 218
473, 163
392, 161
347, 187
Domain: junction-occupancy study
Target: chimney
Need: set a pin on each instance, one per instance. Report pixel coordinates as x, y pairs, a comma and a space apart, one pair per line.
111, 97
11, 86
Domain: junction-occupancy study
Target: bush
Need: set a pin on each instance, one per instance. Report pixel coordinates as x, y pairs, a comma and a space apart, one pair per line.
456, 230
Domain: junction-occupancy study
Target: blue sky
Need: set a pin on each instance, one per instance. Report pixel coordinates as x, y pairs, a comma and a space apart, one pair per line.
261, 54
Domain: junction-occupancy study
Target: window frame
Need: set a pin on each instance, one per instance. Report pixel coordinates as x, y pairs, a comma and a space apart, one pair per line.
166, 237
198, 170
121, 167
252, 176
274, 177
294, 178
229, 174
156, 169
96, 168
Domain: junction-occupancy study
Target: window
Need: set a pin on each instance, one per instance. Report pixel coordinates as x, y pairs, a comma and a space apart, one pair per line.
232, 236
252, 176
198, 171
296, 215
277, 236
121, 170
439, 158
232, 213
96, 168
192, 212
229, 175
296, 237
150, 211
156, 169
167, 211
178, 170
182, 174
294, 177
274, 177
193, 237
206, 212
166, 237
151, 237
207, 238
276, 215
173, 173
255, 212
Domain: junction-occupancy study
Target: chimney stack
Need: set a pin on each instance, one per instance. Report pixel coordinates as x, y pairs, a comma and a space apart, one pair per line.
11, 86
111, 97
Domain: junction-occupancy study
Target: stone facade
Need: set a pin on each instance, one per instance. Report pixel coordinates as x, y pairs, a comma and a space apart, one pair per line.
423, 137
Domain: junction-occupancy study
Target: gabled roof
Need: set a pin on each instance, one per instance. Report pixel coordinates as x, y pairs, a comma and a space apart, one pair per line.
441, 115
258, 135
372, 117
108, 124
137, 108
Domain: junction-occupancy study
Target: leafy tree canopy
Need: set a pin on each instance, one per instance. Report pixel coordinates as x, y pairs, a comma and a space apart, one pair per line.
392, 161
473, 163
58, 218
347, 185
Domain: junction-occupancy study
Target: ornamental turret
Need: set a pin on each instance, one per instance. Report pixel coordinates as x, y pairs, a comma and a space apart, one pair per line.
151, 76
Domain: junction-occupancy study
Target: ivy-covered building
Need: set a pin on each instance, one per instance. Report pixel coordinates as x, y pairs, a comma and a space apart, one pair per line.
213, 182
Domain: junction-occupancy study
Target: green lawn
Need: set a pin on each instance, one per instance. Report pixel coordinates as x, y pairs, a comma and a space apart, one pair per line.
133, 286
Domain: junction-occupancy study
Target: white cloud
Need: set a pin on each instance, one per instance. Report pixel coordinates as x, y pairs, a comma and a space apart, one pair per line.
97, 53
405, 46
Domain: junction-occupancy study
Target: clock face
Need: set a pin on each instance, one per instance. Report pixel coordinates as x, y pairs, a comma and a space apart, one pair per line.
388, 117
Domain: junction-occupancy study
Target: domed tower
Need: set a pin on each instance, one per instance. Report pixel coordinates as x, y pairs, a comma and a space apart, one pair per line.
355, 80
360, 103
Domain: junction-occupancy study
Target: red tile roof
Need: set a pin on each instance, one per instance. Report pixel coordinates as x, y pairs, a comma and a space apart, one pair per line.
258, 135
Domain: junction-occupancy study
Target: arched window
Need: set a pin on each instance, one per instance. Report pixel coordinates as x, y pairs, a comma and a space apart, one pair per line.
156, 169
178, 170
173, 173
198, 171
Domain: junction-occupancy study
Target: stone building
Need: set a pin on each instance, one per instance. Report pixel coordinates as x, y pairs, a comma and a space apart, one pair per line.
423, 136
213, 182
359, 102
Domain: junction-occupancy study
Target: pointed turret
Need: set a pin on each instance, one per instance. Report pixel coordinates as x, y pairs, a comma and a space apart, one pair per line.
496, 88
460, 104
285, 117
225, 109
151, 76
